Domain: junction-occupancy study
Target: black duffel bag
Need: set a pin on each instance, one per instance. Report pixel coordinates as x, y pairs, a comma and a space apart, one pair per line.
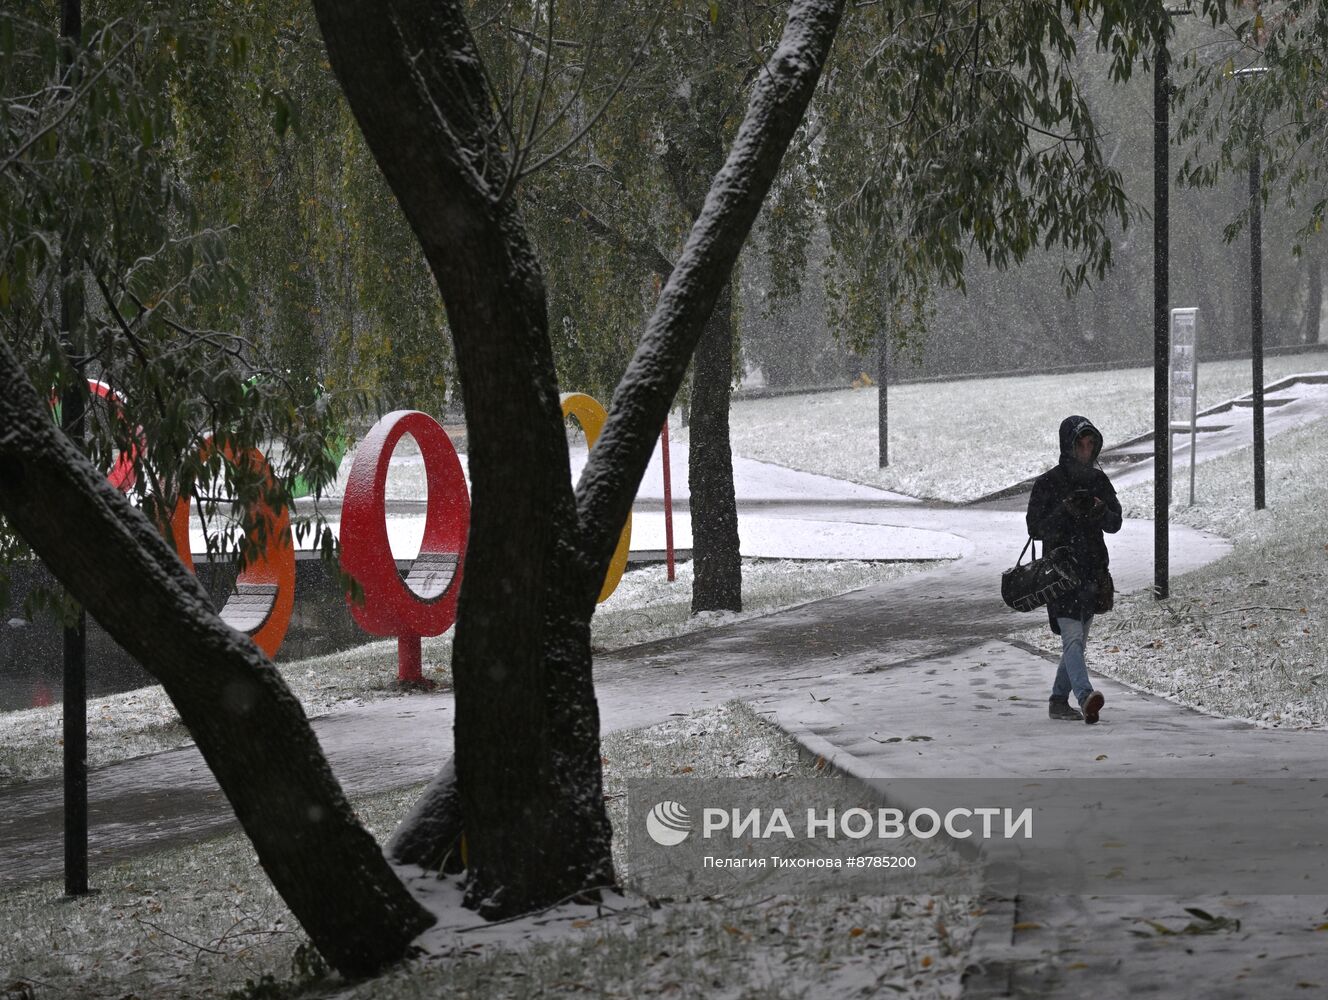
1028, 586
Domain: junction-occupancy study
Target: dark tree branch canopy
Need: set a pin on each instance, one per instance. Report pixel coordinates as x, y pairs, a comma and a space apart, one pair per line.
778, 103
647, 256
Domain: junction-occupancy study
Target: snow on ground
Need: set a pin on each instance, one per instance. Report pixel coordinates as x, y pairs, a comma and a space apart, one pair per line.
1242, 637
1285, 690
773, 537
962, 440
141, 936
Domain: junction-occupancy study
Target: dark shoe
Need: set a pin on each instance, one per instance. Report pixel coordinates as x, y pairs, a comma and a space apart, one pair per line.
1057, 709
1093, 705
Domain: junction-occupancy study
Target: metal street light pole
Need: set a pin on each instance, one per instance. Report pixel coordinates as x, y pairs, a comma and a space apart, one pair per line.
1256, 287
74, 695
1161, 318
882, 400
1256, 321
1161, 346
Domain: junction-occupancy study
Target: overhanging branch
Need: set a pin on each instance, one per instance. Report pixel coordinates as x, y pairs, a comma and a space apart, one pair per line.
641, 403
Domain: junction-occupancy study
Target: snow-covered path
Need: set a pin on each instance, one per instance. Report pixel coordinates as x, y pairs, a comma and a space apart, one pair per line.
145, 803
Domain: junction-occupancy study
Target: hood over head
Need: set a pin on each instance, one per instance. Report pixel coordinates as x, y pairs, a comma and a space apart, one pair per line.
1072, 428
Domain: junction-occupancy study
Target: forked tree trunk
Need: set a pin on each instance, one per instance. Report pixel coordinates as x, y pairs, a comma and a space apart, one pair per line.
528, 788
249, 727
529, 784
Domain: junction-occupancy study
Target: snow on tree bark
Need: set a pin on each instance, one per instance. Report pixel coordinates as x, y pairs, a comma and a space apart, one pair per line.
779, 99
249, 727
529, 784
528, 781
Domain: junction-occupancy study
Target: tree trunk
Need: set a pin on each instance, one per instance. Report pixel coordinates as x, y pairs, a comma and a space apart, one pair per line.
716, 563
249, 727
528, 789
1313, 296
691, 164
528, 792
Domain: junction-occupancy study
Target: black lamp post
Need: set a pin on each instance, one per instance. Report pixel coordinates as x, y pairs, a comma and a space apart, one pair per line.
1256, 286
1161, 344
882, 401
1161, 318
74, 695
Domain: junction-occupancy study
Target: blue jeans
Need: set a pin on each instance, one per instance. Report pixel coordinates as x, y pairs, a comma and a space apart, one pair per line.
1072, 674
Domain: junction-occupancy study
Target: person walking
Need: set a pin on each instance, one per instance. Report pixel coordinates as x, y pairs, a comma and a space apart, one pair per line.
1071, 506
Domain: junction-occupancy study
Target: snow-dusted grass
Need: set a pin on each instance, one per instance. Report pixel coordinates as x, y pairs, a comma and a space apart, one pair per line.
962, 440
643, 608
202, 921
1247, 636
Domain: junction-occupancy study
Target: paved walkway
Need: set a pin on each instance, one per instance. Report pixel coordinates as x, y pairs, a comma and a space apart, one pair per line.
926, 655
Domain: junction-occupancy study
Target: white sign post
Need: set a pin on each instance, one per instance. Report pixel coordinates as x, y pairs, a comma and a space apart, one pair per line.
1184, 382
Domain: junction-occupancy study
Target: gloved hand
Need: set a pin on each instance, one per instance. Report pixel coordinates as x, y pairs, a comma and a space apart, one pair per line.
1084, 508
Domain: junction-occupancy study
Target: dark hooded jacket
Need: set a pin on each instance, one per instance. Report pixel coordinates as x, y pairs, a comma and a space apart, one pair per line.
1056, 523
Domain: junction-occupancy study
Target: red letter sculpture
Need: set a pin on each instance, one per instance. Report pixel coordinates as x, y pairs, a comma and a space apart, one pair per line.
425, 601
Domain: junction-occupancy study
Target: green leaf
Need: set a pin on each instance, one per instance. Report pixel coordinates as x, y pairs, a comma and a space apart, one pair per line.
714, 11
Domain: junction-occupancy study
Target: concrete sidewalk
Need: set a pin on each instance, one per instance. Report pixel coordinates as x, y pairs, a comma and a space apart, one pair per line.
980, 714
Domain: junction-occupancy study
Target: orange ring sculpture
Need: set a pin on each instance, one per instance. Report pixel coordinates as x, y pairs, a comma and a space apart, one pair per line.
264, 593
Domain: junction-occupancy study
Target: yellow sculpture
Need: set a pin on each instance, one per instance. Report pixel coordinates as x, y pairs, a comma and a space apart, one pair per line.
591, 416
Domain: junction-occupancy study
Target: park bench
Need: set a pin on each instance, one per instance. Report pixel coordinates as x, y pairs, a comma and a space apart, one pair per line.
249, 607
430, 574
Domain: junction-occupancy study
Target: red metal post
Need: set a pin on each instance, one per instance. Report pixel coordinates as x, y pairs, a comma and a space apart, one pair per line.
668, 497
409, 660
